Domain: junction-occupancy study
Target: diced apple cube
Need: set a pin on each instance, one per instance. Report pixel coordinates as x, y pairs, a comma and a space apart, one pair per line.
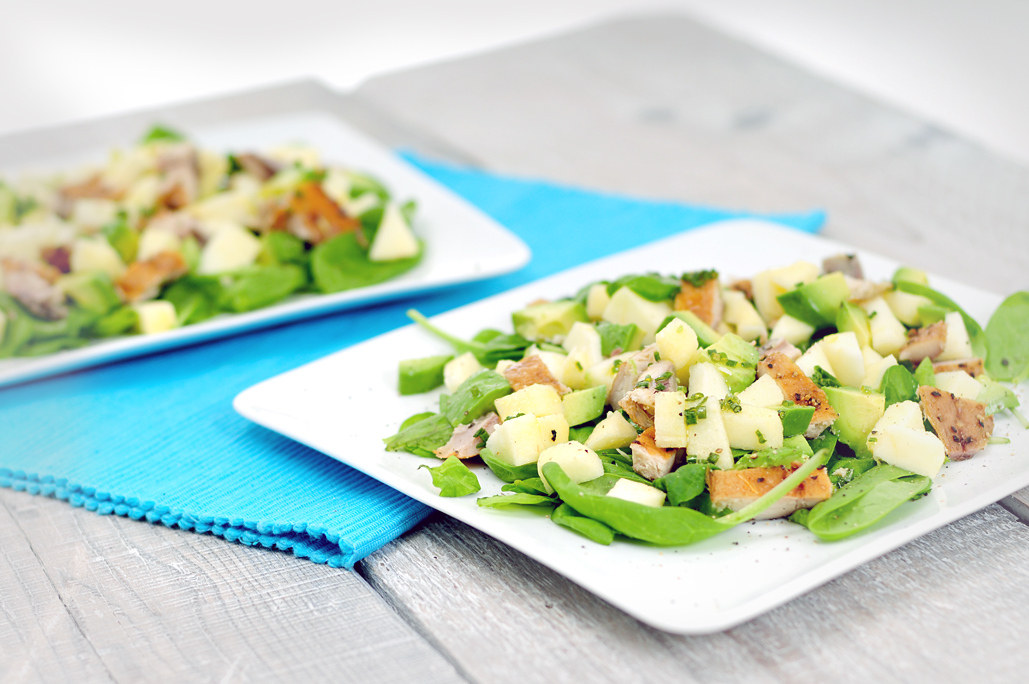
504, 364
768, 285
459, 369
888, 334
577, 366
230, 249
584, 335
537, 400
95, 254
677, 343
153, 241
904, 306
614, 432
394, 239
874, 374
793, 330
707, 436
596, 301
604, 372
958, 345
554, 428
93, 213
637, 492
742, 315
156, 316
815, 356
764, 392
921, 453
237, 207
959, 383
628, 307
517, 441
554, 361
844, 353
753, 428
904, 413
706, 379
579, 462
669, 421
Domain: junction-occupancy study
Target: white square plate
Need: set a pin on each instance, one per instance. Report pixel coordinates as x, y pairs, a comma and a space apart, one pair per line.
461, 243
344, 404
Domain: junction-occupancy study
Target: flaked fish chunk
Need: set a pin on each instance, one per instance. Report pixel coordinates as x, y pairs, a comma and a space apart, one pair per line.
924, 343
780, 346
649, 460
972, 366
639, 404
142, 280
847, 264
464, 443
705, 301
628, 372
961, 424
33, 286
800, 389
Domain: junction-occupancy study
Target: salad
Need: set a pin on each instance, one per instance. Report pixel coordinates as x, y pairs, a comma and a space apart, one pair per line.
667, 409
167, 234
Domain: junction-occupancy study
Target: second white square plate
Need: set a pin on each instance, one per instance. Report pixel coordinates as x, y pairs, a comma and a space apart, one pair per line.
346, 403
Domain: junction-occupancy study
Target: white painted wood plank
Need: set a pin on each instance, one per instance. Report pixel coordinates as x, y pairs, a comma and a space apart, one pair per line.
155, 604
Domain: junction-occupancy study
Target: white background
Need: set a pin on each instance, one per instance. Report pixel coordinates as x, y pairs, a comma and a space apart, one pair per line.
959, 64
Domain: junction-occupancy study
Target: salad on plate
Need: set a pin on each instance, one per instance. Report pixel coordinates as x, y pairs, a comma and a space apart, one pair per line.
667, 409
167, 234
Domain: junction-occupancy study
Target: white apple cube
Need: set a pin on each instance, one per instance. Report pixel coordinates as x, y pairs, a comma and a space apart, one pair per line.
554, 361
706, 379
870, 357
707, 436
753, 428
921, 453
156, 316
394, 239
628, 307
95, 254
213, 167
580, 463
874, 374
958, 345
577, 366
888, 334
677, 343
142, 195
459, 369
742, 315
235, 206
584, 335
517, 441
844, 353
153, 241
637, 492
614, 432
904, 306
604, 372
768, 285
504, 364
537, 400
93, 213
906, 414
669, 422
764, 392
793, 330
959, 383
554, 428
596, 301
231, 248
815, 356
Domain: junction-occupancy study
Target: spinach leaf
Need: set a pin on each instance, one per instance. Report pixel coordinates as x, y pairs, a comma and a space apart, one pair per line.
771, 458
862, 503
475, 396
416, 418
975, 333
196, 298
532, 485
684, 484
651, 286
280, 247
505, 472
342, 264
453, 478
487, 347
823, 378
620, 470
423, 437
566, 516
121, 320
997, 397
924, 375
668, 525
843, 469
898, 385
262, 286
1007, 337
161, 133
516, 499
580, 433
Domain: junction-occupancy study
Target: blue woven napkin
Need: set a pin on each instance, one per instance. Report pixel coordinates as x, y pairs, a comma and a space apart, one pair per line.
156, 438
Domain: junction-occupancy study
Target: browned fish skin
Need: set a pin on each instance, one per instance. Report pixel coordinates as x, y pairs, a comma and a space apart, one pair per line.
257, 166
925, 343
315, 218
143, 279
799, 388
961, 424
532, 371
649, 460
705, 301
973, 366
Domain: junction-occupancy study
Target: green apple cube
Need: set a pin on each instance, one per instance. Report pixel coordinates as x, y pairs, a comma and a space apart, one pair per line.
614, 432
580, 463
628, 307
517, 441
669, 420
459, 369
637, 492
957, 346
753, 428
764, 392
537, 400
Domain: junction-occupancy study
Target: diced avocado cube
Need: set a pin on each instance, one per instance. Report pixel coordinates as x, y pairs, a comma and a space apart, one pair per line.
422, 375
817, 303
621, 337
911, 275
799, 443
859, 411
91, 290
706, 335
548, 321
852, 318
584, 405
124, 240
795, 419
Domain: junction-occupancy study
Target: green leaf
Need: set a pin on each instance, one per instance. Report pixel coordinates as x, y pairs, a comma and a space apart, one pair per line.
975, 333
261, 286
196, 298
532, 485
566, 516
924, 375
685, 484
898, 385
516, 499
422, 437
1007, 336
488, 346
475, 396
161, 133
862, 503
506, 472
651, 286
453, 478
342, 264
822, 378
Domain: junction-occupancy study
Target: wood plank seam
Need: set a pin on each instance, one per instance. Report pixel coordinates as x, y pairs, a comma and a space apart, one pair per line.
57, 592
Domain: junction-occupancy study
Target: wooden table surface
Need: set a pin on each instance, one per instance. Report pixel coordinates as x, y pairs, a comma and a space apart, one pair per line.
656, 107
